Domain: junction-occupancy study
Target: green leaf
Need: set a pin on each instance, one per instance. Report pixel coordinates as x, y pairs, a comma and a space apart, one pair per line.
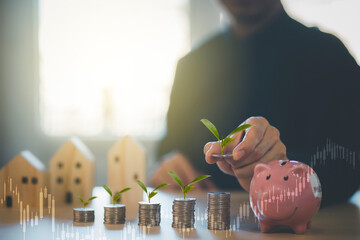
176, 178
198, 179
152, 194
117, 197
142, 185
81, 200
92, 198
85, 204
239, 129
187, 189
124, 190
107, 189
211, 127
161, 186
226, 141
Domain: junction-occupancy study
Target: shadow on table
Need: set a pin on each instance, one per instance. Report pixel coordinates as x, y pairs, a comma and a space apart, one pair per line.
186, 232
114, 226
81, 224
149, 230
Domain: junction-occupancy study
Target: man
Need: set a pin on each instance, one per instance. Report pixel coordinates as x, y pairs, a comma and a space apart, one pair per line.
299, 81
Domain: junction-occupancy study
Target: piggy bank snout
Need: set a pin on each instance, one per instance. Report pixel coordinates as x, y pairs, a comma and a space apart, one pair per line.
276, 203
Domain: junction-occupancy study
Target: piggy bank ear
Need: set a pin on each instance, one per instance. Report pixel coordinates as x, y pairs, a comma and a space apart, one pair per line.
260, 168
298, 170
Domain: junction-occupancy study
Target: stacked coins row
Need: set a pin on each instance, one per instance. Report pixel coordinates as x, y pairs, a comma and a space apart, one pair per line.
218, 210
82, 215
114, 214
149, 214
183, 213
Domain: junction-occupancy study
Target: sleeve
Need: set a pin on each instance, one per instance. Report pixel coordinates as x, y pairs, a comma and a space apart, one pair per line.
175, 139
339, 116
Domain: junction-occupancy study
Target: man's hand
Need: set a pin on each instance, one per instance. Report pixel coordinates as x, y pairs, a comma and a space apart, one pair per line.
259, 144
178, 163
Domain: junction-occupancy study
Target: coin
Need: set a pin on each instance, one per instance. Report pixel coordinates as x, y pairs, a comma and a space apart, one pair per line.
183, 213
149, 214
218, 210
83, 215
114, 214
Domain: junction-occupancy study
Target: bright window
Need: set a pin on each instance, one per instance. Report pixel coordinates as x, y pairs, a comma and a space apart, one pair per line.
338, 17
107, 66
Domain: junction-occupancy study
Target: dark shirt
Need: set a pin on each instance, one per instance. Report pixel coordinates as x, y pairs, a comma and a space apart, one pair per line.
303, 81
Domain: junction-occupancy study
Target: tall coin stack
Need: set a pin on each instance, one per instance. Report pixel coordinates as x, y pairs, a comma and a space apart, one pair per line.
149, 214
183, 213
114, 214
218, 210
83, 215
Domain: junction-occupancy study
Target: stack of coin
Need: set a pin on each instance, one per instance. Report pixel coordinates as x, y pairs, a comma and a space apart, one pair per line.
149, 214
183, 213
218, 210
114, 214
83, 215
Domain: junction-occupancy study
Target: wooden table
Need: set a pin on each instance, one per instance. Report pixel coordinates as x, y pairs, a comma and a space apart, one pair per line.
336, 222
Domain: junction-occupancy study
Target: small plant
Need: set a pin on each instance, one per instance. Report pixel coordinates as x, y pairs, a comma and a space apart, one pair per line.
148, 193
228, 139
87, 202
117, 196
187, 188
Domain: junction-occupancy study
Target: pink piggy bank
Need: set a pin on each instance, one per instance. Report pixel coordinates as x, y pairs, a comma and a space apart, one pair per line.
285, 193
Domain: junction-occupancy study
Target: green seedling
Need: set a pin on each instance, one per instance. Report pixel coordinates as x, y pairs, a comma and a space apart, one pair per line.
148, 193
229, 138
87, 202
116, 196
187, 188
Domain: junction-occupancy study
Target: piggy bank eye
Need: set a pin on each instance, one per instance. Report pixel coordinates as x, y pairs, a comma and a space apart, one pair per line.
286, 178
268, 177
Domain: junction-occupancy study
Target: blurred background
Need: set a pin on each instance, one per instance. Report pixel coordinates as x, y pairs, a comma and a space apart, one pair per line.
100, 69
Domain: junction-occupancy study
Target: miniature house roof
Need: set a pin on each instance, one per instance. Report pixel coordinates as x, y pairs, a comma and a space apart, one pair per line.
34, 161
82, 148
128, 140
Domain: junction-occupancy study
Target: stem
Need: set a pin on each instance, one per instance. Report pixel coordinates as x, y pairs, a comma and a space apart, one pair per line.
221, 146
149, 197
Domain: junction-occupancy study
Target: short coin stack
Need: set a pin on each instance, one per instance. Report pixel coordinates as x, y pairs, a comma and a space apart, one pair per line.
149, 214
114, 214
218, 210
183, 213
83, 215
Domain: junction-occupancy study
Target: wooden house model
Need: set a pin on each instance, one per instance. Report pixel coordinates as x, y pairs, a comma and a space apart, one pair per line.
126, 163
72, 171
24, 175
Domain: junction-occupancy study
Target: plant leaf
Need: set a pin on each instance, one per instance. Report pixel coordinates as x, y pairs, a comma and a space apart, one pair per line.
92, 198
226, 141
176, 178
124, 190
107, 189
85, 204
152, 194
81, 200
239, 129
142, 185
202, 177
161, 186
117, 197
211, 127
188, 188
